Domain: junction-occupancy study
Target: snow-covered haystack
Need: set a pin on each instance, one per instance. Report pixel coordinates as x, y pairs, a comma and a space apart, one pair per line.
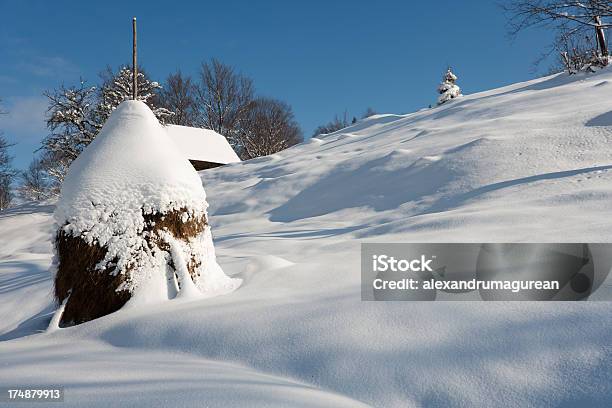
132, 223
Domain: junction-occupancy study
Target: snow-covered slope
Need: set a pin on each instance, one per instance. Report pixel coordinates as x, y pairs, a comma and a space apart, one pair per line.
527, 162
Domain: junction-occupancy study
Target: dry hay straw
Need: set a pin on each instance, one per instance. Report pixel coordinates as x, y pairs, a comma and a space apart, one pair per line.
94, 293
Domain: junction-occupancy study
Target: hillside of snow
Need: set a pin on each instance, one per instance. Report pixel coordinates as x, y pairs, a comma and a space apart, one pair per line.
530, 162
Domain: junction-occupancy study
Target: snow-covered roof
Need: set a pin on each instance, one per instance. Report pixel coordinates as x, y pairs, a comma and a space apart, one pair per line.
202, 144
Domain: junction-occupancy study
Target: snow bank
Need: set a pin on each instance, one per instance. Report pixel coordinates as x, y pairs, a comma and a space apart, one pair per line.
529, 162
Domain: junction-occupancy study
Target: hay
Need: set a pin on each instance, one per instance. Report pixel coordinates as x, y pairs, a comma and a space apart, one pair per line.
95, 292
132, 207
173, 223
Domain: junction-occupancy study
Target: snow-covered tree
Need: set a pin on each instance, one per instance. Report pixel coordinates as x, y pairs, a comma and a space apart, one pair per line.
448, 89
74, 122
117, 87
567, 18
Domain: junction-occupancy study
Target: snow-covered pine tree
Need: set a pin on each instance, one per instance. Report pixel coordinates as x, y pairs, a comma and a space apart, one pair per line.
448, 89
117, 87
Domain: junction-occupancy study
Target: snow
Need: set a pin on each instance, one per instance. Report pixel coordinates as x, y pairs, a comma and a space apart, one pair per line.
131, 169
529, 162
202, 144
448, 89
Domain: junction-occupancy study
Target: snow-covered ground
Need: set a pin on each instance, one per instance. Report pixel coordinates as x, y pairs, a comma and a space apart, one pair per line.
527, 162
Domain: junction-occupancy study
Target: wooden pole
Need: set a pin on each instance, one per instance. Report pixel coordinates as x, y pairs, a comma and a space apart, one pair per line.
601, 37
134, 62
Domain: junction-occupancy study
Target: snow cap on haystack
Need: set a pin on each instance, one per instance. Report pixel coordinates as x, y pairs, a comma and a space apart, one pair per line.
132, 217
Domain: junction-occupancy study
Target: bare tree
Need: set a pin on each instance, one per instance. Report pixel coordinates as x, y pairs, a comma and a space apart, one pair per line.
339, 122
269, 127
36, 185
568, 18
369, 112
6, 195
7, 173
223, 98
576, 54
178, 96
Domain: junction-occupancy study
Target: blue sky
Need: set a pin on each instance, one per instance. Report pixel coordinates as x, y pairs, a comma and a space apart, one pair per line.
322, 57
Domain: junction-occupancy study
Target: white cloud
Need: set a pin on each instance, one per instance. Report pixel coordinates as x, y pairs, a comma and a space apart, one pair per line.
48, 66
25, 120
6, 79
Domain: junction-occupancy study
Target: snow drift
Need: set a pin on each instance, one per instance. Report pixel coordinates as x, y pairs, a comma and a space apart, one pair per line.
131, 218
529, 162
